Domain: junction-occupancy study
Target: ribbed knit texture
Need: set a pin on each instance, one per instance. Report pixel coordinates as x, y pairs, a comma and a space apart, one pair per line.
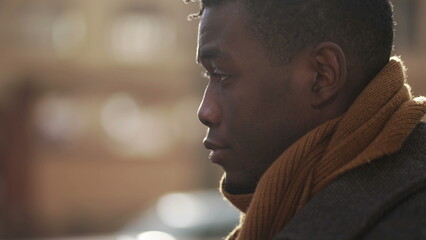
376, 124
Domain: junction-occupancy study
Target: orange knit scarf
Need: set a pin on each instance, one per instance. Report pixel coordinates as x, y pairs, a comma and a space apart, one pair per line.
377, 124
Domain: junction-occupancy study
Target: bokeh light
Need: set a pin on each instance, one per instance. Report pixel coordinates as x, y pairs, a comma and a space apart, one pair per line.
121, 118
69, 32
155, 235
139, 131
141, 37
180, 210
58, 119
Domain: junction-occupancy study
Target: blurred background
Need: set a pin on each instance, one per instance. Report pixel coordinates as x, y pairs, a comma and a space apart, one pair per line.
98, 103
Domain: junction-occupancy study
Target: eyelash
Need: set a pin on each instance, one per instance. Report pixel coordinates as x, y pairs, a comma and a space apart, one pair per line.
220, 77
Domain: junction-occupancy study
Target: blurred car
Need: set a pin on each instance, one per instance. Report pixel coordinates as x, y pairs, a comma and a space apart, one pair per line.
199, 215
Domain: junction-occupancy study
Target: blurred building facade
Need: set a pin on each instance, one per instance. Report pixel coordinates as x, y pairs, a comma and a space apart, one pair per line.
98, 104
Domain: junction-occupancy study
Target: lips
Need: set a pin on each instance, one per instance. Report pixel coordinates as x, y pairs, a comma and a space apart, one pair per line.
218, 150
209, 144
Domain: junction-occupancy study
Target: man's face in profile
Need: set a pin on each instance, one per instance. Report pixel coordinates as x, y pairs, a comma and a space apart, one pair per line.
253, 110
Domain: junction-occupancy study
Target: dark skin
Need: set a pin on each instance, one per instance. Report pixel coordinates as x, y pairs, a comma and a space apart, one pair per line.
255, 110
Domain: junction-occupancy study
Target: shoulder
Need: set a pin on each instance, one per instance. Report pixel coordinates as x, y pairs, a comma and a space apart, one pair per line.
382, 200
415, 145
406, 220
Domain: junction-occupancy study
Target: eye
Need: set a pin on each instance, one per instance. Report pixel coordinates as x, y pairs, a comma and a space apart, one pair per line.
220, 77
216, 76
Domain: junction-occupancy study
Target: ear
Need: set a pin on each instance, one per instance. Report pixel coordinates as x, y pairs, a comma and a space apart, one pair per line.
331, 73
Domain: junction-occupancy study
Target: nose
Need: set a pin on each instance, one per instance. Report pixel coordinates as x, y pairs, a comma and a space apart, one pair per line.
209, 112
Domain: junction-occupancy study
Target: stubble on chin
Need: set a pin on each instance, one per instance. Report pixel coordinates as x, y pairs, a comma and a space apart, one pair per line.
246, 185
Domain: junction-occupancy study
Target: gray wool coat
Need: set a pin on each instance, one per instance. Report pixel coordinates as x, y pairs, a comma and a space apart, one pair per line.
382, 200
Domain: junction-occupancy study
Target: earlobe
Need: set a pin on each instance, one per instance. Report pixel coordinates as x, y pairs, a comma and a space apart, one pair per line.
330, 66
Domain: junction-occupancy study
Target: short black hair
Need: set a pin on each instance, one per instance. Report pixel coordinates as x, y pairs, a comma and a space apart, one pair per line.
364, 29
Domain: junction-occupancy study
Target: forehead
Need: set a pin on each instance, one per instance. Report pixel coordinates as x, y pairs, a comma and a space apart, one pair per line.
220, 15
221, 30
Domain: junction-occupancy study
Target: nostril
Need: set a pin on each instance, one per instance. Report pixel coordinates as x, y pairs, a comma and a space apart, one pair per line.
209, 115
206, 123
203, 117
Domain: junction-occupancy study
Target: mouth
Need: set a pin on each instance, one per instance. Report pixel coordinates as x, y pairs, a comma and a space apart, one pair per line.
217, 150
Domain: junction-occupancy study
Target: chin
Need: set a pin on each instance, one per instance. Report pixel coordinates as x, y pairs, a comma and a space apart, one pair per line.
235, 184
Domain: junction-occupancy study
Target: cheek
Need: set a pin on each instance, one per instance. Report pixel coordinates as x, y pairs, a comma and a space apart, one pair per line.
268, 121
255, 116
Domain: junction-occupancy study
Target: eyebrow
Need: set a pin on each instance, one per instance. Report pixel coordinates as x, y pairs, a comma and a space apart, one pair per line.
212, 53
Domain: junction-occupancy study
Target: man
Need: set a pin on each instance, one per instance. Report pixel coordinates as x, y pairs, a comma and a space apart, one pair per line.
311, 120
